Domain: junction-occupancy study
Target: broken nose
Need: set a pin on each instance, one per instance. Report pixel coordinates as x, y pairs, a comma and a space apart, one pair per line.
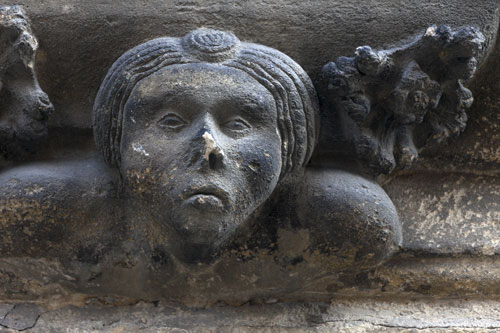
211, 147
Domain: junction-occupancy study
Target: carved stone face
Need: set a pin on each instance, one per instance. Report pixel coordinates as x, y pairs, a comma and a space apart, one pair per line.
24, 113
24, 107
201, 150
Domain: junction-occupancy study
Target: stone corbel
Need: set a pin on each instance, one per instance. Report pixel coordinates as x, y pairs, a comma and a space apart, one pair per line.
391, 103
24, 107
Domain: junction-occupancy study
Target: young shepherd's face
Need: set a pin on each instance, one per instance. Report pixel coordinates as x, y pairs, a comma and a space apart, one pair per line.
200, 148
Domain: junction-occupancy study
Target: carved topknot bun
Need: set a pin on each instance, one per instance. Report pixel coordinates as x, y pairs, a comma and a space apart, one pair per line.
211, 45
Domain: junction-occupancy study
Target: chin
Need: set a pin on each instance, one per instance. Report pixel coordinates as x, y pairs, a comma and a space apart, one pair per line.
200, 237
200, 245
205, 230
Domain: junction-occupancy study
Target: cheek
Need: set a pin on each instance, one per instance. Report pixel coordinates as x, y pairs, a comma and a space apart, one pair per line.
140, 181
149, 169
260, 162
147, 148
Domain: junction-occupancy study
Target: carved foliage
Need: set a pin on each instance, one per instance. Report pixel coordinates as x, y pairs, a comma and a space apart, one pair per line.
24, 107
392, 102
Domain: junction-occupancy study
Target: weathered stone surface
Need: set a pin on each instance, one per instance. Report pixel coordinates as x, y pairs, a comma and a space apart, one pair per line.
209, 195
5, 309
72, 62
283, 255
346, 315
72, 242
21, 317
438, 276
448, 212
477, 148
383, 106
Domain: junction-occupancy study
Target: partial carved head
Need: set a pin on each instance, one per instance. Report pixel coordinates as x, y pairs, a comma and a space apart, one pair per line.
203, 128
24, 107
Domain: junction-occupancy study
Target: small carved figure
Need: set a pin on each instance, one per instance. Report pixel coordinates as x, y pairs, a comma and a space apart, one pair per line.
390, 103
24, 107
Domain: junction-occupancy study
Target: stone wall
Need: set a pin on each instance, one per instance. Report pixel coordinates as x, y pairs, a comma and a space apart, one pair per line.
442, 275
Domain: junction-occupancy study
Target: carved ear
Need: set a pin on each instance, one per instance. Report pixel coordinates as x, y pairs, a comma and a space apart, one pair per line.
384, 100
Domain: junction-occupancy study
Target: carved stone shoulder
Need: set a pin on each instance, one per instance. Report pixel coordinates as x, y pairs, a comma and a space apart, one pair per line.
24, 107
54, 207
392, 102
349, 217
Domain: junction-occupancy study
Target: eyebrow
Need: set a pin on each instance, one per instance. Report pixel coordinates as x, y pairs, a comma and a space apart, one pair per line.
156, 100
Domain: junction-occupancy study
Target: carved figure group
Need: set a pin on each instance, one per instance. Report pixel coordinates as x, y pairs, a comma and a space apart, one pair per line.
208, 143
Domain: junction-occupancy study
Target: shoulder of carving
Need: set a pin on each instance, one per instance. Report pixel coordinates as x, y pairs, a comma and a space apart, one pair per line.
393, 102
349, 217
42, 203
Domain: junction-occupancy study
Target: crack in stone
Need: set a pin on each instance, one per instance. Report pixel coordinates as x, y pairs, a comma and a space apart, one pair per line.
316, 324
35, 321
8, 312
5, 315
406, 327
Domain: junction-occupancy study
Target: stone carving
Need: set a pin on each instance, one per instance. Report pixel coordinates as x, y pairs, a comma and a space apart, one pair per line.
393, 102
214, 188
24, 107
207, 142
202, 129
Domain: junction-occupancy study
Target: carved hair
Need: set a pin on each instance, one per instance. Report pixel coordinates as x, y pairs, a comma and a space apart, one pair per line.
295, 96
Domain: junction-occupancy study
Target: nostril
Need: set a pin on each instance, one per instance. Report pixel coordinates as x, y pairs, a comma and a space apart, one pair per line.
43, 98
212, 160
45, 107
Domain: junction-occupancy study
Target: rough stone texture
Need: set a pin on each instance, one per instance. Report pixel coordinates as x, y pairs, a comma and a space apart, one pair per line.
448, 213
449, 282
341, 315
72, 62
21, 317
476, 149
46, 253
456, 184
5, 309
460, 276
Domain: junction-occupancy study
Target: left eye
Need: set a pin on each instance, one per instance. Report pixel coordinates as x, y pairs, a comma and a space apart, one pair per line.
237, 124
171, 121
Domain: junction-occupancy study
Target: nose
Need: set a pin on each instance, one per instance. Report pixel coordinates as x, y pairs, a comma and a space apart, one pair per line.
207, 145
213, 155
44, 105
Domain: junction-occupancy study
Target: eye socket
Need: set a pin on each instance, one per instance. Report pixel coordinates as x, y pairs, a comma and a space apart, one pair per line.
237, 124
171, 121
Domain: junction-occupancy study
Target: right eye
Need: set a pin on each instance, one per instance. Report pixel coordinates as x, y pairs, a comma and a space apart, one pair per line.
171, 121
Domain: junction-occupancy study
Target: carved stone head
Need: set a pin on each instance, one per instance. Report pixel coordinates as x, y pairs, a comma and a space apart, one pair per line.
24, 107
202, 129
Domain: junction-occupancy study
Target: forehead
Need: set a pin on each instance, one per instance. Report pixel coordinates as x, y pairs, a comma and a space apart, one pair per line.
203, 80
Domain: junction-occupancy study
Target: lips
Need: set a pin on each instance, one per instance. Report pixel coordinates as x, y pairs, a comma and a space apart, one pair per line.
208, 195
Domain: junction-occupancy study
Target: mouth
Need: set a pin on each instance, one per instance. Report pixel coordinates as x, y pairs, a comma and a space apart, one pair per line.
206, 196
38, 127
